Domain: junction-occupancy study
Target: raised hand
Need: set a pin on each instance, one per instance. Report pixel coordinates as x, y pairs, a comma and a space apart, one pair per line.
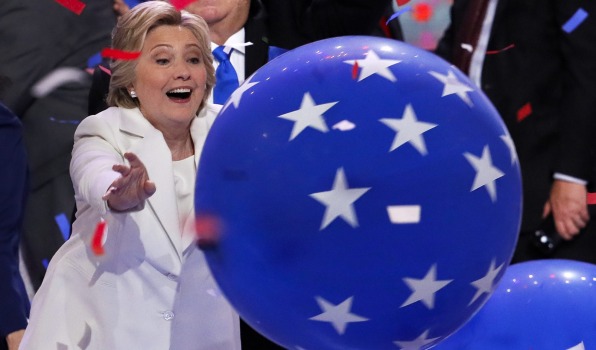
133, 186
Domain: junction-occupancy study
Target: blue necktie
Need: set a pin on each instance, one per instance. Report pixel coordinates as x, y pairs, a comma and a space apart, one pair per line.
226, 79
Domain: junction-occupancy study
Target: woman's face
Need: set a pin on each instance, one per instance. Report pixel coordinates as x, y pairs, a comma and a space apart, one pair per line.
170, 77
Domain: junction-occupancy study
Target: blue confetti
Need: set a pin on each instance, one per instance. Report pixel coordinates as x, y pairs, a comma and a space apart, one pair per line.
94, 60
63, 224
131, 3
45, 263
577, 19
64, 121
396, 14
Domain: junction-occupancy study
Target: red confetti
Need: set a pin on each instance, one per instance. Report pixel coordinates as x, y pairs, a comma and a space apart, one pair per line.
422, 12
208, 229
493, 52
75, 6
355, 69
97, 240
181, 4
402, 2
107, 71
524, 112
591, 198
119, 54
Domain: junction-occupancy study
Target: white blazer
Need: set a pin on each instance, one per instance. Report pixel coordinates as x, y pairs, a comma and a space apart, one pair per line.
152, 289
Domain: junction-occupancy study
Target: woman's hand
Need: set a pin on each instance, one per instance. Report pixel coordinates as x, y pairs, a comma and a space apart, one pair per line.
133, 186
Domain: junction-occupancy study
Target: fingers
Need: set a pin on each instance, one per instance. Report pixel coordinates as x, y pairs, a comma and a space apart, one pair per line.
547, 209
109, 192
568, 204
149, 187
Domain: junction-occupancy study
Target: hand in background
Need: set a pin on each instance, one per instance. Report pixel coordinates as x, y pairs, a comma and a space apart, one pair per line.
132, 188
568, 203
120, 7
14, 339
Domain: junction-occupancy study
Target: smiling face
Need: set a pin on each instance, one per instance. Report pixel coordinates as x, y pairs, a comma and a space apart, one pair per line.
170, 77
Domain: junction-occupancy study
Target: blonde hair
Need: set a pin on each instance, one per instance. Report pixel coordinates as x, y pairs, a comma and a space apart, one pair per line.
130, 33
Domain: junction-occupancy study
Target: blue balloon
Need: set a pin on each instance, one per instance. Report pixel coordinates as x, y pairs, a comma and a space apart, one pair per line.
365, 195
541, 304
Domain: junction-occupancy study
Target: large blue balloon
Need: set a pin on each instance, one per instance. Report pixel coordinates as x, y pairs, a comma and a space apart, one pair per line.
367, 197
542, 304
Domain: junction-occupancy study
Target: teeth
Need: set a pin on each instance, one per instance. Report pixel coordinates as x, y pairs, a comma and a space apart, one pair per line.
179, 91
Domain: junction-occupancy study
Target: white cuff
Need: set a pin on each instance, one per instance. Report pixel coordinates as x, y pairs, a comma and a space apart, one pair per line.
563, 177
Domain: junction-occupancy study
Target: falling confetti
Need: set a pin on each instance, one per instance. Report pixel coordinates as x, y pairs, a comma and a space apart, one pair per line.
494, 52
75, 6
422, 12
578, 17
398, 13
524, 112
98, 237
402, 2
208, 230
591, 198
119, 54
63, 225
181, 4
57, 78
355, 70
106, 70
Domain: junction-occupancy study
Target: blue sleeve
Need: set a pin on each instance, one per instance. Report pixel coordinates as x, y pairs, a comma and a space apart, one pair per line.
14, 303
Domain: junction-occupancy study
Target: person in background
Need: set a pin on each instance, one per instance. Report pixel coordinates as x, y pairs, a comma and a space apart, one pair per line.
536, 62
140, 282
14, 304
257, 31
37, 37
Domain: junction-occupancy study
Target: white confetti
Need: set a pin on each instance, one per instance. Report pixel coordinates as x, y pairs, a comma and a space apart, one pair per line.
56, 78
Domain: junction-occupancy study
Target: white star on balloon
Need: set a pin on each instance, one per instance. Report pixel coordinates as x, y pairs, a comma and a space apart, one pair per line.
408, 130
239, 92
415, 344
453, 86
486, 173
339, 200
309, 115
338, 315
485, 284
579, 346
509, 142
424, 289
372, 64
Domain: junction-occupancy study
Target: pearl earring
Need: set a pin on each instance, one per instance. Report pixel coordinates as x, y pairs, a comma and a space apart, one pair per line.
133, 94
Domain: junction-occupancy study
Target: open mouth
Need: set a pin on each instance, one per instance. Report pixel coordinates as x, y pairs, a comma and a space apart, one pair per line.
179, 94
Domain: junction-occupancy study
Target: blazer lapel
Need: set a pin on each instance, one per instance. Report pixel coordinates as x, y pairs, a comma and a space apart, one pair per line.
152, 150
198, 131
256, 32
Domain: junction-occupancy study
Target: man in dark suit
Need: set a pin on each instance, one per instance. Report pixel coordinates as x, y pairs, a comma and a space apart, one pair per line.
273, 27
536, 61
37, 37
14, 303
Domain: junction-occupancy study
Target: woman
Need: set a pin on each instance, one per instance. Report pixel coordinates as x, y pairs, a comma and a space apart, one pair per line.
151, 288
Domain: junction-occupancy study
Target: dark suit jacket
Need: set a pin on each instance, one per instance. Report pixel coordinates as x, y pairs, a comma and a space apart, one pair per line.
14, 303
552, 72
287, 24
36, 37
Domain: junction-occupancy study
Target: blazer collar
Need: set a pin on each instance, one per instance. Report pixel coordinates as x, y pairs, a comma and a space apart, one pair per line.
153, 151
